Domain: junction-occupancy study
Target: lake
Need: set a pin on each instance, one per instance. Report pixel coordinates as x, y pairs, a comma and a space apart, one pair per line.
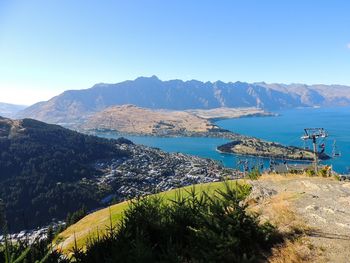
286, 128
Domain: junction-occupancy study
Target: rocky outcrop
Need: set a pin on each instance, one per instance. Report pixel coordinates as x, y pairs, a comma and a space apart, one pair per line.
316, 209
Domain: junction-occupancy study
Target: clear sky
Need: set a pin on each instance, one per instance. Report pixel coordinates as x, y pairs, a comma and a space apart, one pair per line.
48, 46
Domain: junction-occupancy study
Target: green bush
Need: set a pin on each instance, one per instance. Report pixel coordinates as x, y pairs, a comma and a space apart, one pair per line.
310, 172
38, 252
254, 174
191, 228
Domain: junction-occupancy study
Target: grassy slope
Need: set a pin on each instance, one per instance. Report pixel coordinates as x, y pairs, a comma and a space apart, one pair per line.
99, 221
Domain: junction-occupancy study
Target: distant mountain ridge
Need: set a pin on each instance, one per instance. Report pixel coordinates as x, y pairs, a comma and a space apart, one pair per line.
10, 110
151, 92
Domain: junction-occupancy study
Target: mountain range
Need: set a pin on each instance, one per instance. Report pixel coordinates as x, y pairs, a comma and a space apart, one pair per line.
73, 106
10, 110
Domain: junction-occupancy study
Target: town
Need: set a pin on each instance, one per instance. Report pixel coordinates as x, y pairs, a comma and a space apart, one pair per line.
151, 170
147, 171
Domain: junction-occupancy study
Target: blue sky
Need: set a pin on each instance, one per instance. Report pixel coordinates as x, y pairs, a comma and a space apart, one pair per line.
47, 47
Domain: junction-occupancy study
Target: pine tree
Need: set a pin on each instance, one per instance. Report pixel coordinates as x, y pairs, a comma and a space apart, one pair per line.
50, 234
2, 218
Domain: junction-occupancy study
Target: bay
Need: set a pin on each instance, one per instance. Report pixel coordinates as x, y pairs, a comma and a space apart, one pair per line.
286, 128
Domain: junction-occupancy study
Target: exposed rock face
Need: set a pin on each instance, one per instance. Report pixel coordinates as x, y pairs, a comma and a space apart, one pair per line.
71, 106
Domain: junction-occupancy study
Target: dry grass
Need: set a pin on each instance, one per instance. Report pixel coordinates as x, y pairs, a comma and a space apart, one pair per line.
133, 119
90, 226
285, 177
281, 177
300, 250
280, 211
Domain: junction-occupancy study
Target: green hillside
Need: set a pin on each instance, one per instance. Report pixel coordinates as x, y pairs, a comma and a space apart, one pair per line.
44, 167
98, 222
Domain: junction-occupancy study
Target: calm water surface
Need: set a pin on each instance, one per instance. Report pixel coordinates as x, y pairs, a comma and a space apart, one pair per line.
288, 127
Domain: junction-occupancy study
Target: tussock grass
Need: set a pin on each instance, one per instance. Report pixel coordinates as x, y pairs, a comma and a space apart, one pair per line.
281, 177
278, 210
300, 250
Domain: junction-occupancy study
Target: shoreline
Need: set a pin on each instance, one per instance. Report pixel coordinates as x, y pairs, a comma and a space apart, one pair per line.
265, 157
228, 136
260, 148
253, 115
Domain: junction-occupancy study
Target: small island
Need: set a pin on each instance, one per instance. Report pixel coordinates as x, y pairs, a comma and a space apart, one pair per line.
260, 148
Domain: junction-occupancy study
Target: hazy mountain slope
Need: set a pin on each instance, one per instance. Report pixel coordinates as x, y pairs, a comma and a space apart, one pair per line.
10, 110
72, 106
324, 95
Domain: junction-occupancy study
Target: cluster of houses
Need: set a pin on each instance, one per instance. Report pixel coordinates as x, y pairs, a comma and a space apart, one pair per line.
151, 170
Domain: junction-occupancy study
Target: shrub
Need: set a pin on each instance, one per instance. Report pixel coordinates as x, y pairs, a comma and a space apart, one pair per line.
254, 174
191, 228
310, 172
21, 251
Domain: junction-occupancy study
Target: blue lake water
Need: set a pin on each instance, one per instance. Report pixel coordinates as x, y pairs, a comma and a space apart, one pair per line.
285, 128
288, 128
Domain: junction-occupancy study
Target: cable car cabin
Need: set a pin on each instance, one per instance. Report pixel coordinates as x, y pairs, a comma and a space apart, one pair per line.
336, 154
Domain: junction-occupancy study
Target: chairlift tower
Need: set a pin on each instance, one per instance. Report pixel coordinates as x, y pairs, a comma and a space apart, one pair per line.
335, 152
313, 134
245, 166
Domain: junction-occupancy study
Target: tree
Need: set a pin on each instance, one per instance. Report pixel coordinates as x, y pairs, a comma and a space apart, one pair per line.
50, 234
2, 217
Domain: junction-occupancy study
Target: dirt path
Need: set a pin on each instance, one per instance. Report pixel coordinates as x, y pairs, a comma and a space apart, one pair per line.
323, 205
